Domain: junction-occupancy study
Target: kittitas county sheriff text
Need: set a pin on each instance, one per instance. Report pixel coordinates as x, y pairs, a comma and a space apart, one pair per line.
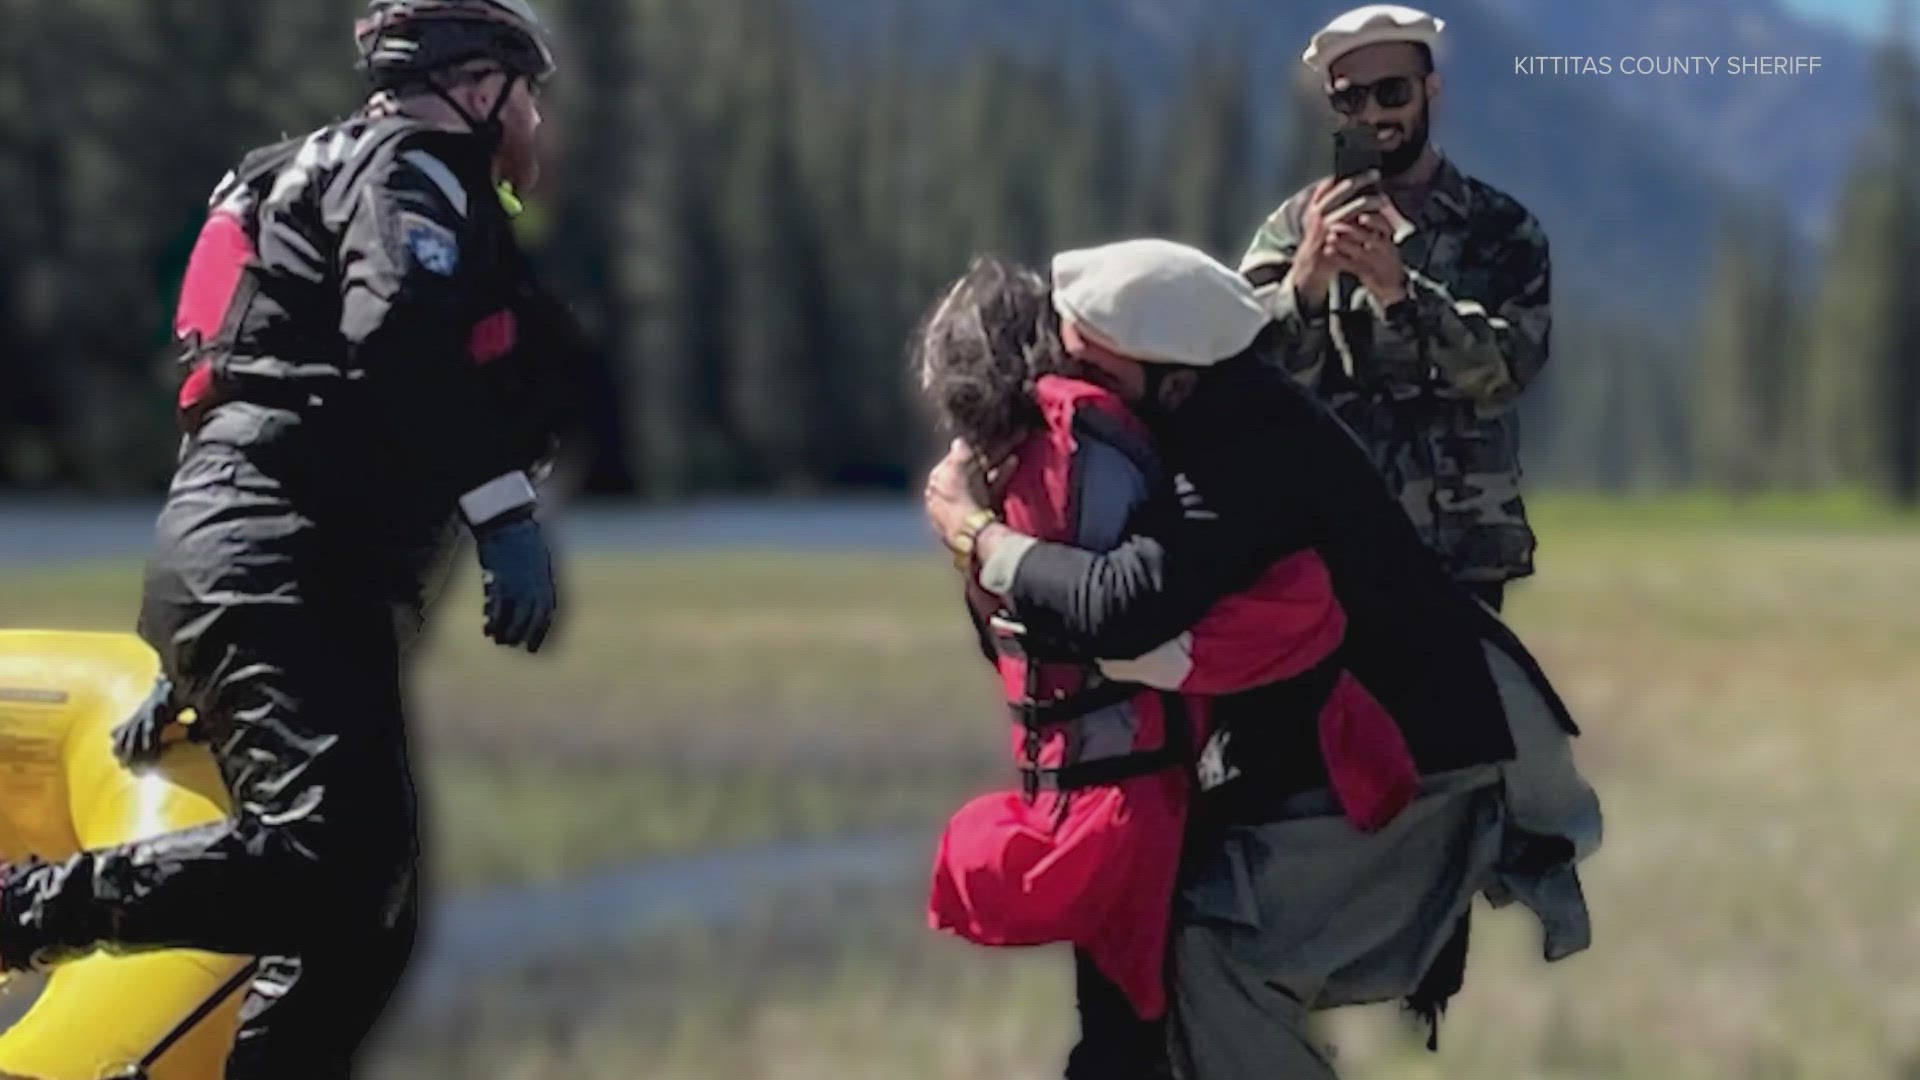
1665, 65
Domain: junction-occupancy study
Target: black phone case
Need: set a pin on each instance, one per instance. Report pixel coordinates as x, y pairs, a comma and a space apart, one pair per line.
1355, 150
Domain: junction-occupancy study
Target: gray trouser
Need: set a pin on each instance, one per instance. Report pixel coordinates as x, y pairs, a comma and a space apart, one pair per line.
1306, 913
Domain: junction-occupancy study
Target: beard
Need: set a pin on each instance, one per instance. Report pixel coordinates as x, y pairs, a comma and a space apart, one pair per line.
1153, 408
518, 163
1397, 161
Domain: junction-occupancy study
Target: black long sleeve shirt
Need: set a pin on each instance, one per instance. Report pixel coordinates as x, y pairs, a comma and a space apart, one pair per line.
1263, 471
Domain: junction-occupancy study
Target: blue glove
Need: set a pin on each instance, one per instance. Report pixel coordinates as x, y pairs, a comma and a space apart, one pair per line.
516, 572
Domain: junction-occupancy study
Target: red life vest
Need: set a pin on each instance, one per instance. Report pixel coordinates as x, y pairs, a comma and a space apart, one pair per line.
1095, 864
219, 271
1088, 850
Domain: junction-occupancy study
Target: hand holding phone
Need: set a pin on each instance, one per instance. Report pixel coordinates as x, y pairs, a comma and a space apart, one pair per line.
1356, 152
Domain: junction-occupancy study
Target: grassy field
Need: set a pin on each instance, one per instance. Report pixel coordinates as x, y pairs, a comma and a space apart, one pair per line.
694, 702
1749, 694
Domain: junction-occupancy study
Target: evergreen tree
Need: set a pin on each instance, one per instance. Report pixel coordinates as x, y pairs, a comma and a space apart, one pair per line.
671, 279
1841, 434
1306, 154
1092, 181
603, 146
772, 272
1205, 192
1775, 352
1735, 395
1900, 379
1861, 386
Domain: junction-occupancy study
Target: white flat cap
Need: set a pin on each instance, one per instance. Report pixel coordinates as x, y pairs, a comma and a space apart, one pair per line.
1158, 302
1370, 25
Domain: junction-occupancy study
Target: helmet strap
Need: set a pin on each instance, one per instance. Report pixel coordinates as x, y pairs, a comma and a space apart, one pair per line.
500, 103
490, 130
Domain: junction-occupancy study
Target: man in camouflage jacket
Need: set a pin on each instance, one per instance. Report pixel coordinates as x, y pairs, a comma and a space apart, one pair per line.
1420, 312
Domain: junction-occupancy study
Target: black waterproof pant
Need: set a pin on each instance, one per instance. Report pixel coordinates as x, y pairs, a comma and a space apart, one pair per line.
1115, 1043
293, 666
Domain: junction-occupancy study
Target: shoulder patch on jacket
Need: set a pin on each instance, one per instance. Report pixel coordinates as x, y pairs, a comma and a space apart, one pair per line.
431, 244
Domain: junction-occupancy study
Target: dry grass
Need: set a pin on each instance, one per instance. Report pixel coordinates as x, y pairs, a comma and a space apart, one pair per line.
1749, 700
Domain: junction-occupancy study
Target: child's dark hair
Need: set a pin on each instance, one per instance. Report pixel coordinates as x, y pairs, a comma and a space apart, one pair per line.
976, 353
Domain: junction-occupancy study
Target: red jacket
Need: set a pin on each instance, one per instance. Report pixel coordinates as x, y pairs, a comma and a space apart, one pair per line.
1088, 851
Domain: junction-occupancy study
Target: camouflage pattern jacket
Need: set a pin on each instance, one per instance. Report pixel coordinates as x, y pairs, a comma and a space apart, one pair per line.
1433, 395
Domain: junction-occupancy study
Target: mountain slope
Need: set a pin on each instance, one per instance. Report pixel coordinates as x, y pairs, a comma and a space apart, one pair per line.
1790, 136
1630, 210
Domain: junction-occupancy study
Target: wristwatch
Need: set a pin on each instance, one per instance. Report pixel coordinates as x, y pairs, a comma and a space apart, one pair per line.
963, 541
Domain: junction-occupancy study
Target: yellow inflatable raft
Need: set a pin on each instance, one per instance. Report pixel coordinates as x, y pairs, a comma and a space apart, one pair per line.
61, 694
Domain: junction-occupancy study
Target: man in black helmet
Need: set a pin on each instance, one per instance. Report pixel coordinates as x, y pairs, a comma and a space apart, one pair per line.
369, 366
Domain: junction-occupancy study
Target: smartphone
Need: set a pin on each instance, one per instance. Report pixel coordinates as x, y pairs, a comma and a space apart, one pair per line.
1356, 149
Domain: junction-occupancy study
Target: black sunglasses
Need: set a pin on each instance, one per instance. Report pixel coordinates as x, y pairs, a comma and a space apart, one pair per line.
1391, 92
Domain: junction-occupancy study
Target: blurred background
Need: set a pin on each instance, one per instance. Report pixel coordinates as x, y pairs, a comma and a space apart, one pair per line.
694, 843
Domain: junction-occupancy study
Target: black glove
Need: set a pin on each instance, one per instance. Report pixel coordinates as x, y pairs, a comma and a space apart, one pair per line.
516, 571
154, 726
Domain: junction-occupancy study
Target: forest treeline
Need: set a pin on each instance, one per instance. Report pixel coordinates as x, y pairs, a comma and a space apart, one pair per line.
749, 216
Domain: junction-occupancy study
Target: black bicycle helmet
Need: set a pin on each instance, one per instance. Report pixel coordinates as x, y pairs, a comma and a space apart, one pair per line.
404, 42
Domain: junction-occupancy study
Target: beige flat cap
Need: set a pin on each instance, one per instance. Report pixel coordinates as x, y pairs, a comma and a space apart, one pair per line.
1370, 25
1158, 302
